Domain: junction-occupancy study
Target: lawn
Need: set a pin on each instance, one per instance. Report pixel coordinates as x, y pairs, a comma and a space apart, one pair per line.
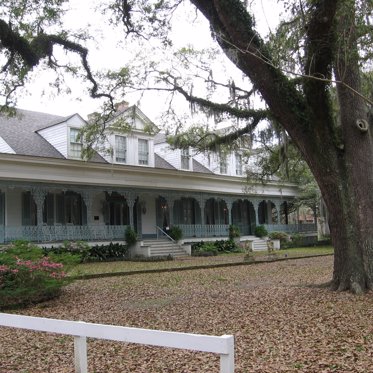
126, 266
282, 318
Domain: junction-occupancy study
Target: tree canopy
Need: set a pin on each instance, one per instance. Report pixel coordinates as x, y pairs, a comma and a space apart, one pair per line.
310, 75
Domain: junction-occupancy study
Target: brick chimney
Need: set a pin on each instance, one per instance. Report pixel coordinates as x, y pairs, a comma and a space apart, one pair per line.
122, 106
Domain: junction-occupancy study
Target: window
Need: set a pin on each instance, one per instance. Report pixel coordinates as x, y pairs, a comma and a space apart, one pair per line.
223, 164
185, 159
238, 164
120, 149
75, 143
143, 152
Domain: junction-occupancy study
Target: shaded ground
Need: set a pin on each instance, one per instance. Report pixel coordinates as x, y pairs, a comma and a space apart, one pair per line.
282, 320
126, 266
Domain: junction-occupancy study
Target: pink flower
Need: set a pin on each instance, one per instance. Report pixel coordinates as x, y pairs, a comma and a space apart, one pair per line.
4, 268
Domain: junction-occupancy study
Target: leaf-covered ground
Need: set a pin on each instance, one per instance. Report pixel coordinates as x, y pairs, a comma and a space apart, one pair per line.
282, 320
128, 266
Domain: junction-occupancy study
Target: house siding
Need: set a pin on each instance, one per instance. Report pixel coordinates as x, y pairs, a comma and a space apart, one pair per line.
57, 137
5, 148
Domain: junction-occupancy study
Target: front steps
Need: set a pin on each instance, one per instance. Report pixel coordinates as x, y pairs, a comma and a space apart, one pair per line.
259, 245
164, 247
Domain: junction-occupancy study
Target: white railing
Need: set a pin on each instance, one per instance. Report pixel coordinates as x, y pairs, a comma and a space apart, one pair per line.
224, 345
59, 232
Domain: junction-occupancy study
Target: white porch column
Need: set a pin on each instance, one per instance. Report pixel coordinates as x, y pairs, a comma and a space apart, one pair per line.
202, 204
39, 196
88, 200
256, 203
170, 203
131, 204
278, 208
229, 204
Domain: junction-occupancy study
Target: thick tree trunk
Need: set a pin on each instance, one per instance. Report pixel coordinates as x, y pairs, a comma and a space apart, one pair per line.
341, 158
351, 231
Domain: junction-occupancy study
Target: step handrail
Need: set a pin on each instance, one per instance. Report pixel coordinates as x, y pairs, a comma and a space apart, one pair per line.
168, 236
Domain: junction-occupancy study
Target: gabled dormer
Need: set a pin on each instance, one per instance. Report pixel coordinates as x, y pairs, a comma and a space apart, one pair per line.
130, 137
64, 136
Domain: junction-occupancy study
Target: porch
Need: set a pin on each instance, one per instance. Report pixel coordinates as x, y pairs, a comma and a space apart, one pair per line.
60, 233
55, 213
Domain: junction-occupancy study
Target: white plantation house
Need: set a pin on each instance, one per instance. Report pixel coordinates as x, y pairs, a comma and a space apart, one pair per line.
48, 193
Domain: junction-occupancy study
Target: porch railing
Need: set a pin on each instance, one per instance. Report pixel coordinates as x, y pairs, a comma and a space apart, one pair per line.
221, 230
204, 230
291, 228
51, 233
55, 233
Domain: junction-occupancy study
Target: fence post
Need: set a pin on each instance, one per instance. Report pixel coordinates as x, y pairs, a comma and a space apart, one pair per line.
80, 354
227, 360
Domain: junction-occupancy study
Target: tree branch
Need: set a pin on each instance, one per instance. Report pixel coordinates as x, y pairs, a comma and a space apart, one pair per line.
41, 47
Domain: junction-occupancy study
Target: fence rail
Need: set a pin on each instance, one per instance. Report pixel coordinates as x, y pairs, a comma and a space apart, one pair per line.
223, 345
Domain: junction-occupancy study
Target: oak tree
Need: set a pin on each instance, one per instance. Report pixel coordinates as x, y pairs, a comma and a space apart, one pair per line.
311, 84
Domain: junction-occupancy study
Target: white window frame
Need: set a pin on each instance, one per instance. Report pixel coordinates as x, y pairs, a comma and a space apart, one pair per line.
223, 164
75, 145
184, 159
238, 159
143, 156
120, 154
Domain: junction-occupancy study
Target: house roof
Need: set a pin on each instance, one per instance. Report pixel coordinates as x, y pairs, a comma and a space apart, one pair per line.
198, 167
159, 162
19, 132
160, 138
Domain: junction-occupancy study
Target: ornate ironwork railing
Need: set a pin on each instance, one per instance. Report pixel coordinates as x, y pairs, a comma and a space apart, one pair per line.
51, 233
204, 230
55, 233
291, 228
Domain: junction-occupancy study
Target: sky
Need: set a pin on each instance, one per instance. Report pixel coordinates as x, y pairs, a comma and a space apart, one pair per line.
106, 54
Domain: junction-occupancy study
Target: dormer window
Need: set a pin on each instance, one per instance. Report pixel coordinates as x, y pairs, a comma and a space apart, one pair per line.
143, 151
75, 150
238, 164
120, 149
185, 159
223, 164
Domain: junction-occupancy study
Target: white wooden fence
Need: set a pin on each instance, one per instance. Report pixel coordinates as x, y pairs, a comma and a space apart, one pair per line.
224, 345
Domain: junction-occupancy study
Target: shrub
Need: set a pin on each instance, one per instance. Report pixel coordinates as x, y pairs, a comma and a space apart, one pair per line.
296, 240
213, 248
204, 249
260, 231
226, 246
176, 233
233, 231
282, 236
158, 258
70, 253
110, 252
27, 276
130, 236
66, 253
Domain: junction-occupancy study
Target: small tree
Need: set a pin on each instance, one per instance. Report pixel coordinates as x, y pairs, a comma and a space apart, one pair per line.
234, 232
130, 236
261, 231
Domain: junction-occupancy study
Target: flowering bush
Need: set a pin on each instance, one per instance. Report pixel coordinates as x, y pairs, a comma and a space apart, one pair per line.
24, 280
